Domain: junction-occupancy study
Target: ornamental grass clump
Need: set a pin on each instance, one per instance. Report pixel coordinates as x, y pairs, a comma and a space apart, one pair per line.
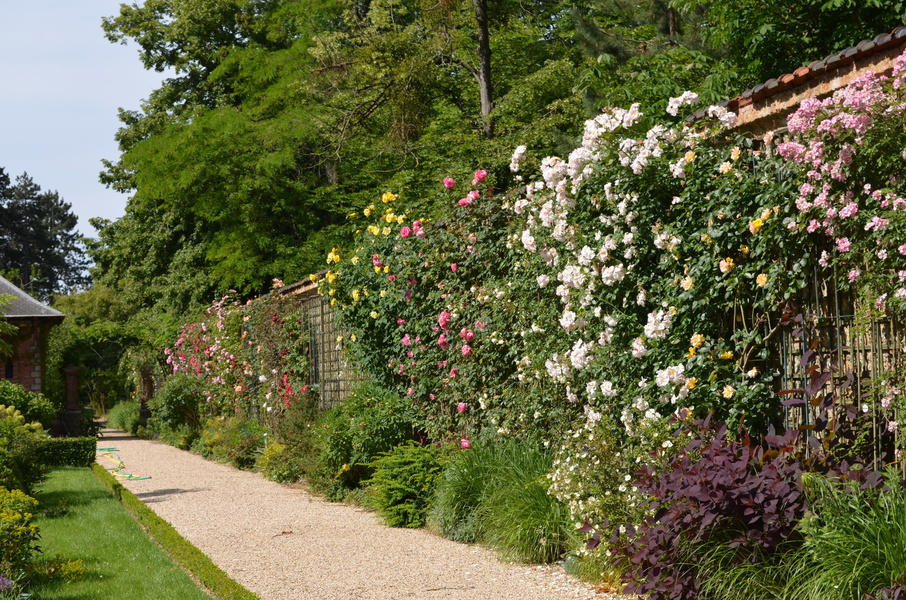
496, 493
854, 544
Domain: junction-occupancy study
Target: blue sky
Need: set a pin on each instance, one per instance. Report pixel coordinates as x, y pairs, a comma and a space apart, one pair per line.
61, 83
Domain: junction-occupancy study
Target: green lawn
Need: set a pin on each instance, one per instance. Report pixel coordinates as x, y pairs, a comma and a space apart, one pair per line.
81, 520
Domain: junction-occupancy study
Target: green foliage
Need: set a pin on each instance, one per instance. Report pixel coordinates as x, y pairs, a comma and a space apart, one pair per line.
372, 420
33, 406
183, 552
403, 481
234, 440
95, 338
497, 493
18, 536
41, 253
277, 464
853, 542
767, 39
180, 403
124, 416
68, 452
21, 465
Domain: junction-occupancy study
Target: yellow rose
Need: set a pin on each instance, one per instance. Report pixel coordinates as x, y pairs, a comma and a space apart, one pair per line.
385, 231
400, 219
697, 340
390, 217
734, 153
726, 265
373, 230
761, 280
728, 392
383, 293
725, 167
689, 156
356, 295
686, 283
755, 226
691, 382
691, 352
388, 197
353, 338
368, 210
374, 314
330, 276
333, 301
313, 277
727, 355
355, 259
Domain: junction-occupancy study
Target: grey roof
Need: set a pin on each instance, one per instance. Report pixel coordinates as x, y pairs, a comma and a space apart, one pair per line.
23, 305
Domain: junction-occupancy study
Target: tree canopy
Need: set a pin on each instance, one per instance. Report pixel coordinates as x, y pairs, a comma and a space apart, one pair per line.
40, 249
282, 117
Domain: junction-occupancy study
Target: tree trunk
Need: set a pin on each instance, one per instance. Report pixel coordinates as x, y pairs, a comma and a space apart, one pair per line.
484, 67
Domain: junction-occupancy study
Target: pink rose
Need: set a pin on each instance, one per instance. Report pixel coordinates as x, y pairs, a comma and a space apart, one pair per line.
442, 342
444, 319
376, 261
465, 201
431, 396
410, 391
453, 267
480, 175
391, 278
453, 372
465, 443
466, 349
467, 334
449, 183
461, 407
400, 321
405, 232
406, 341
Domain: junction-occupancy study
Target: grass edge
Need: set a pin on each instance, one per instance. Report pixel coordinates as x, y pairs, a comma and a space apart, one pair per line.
183, 552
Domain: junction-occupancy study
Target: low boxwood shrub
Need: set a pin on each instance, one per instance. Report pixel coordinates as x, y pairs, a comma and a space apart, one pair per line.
68, 452
403, 483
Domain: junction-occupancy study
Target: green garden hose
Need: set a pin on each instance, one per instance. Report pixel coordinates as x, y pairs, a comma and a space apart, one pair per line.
118, 471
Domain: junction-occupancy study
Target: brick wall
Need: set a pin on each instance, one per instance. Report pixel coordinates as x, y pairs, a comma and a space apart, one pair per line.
26, 366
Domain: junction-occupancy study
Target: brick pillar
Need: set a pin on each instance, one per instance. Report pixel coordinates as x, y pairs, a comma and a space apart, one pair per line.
147, 381
72, 415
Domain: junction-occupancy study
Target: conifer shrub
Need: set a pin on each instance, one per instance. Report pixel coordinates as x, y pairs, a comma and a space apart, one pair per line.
403, 483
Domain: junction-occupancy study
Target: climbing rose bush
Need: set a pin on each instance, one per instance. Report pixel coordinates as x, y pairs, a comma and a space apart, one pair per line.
646, 274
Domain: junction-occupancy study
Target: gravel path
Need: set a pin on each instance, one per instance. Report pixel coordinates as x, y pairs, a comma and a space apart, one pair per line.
285, 544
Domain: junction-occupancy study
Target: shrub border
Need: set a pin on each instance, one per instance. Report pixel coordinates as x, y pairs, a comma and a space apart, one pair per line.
190, 558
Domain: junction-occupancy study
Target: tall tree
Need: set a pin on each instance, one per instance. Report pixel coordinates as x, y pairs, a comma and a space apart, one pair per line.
40, 249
